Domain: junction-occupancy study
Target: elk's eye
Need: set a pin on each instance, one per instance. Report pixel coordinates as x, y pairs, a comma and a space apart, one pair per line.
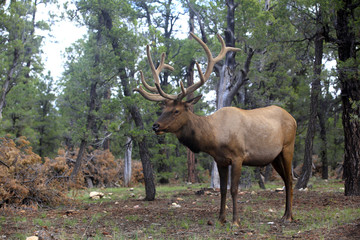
176, 111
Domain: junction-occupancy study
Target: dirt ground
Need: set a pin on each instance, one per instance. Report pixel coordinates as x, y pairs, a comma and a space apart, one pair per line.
189, 213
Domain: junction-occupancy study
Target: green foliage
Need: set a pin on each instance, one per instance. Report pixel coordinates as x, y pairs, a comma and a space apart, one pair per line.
280, 73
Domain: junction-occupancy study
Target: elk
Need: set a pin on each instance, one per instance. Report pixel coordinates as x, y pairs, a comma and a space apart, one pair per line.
232, 136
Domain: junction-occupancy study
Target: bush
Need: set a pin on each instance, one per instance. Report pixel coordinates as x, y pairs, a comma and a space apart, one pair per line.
24, 179
27, 179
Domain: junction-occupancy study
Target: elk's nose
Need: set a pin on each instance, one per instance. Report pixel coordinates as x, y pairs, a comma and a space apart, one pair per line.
155, 127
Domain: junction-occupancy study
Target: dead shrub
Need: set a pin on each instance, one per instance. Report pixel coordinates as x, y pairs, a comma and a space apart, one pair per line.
27, 179
137, 175
24, 178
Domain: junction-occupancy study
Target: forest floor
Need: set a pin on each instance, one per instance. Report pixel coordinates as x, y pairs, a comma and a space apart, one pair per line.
190, 212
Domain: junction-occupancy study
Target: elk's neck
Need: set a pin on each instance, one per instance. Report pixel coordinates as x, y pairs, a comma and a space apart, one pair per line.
195, 133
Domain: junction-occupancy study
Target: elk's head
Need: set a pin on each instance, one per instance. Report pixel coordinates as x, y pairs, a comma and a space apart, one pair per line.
176, 112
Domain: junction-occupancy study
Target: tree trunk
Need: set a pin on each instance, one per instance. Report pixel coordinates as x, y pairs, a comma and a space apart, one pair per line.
323, 152
314, 99
150, 190
259, 178
127, 162
108, 118
190, 81
89, 123
9, 79
348, 74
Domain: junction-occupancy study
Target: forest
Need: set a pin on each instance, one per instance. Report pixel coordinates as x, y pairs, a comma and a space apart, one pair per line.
89, 129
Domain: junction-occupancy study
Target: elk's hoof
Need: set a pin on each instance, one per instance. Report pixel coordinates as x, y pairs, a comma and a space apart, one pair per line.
286, 219
222, 221
235, 224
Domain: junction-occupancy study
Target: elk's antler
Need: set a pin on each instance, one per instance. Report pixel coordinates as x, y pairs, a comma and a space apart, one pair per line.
158, 94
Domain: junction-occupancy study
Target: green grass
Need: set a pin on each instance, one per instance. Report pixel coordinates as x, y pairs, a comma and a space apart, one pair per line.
68, 222
133, 218
41, 222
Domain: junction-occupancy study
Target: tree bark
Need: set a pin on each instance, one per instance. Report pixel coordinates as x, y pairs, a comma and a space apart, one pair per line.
323, 152
306, 171
348, 74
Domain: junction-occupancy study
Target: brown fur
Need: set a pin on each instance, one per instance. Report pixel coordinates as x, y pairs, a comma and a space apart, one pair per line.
236, 137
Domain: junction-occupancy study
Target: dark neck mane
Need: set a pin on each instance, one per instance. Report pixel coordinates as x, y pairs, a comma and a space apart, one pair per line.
193, 134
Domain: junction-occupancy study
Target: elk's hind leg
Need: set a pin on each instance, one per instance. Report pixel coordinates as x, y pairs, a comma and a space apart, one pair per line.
223, 174
282, 165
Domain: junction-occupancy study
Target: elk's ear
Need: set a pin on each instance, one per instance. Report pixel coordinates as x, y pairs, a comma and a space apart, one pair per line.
194, 100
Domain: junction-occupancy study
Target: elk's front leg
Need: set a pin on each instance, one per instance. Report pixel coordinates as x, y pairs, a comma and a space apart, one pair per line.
235, 177
223, 173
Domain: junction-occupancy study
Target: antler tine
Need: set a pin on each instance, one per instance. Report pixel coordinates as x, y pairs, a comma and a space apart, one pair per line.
149, 96
156, 72
211, 63
158, 94
147, 86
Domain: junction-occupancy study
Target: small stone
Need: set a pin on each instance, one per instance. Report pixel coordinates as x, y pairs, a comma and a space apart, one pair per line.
96, 195
32, 238
175, 205
210, 223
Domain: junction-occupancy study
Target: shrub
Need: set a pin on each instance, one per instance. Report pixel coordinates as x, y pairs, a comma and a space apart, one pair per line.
24, 179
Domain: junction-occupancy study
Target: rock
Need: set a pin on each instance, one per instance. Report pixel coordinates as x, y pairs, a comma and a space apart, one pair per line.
96, 195
210, 223
32, 238
180, 199
132, 195
131, 189
45, 235
175, 205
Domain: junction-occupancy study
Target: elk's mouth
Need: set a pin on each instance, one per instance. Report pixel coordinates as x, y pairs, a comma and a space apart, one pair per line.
159, 132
